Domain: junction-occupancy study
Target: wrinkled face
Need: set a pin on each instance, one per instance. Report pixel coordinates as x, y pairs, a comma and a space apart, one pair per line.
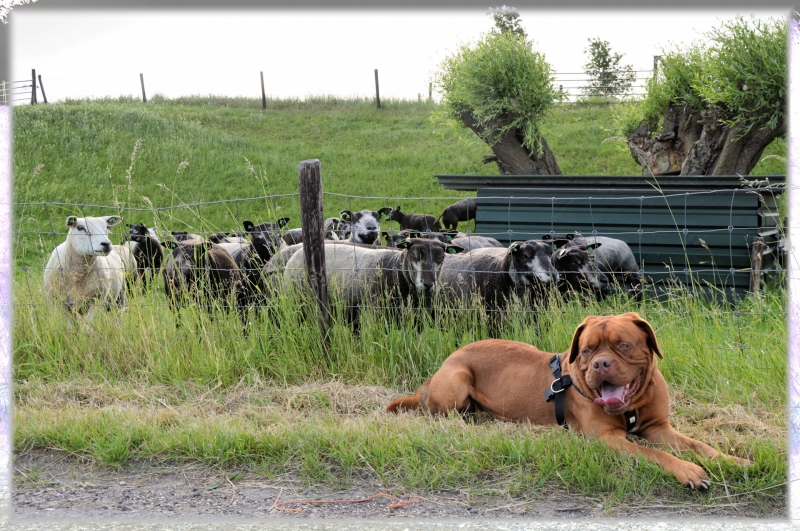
89, 236
531, 263
365, 227
614, 355
577, 268
425, 258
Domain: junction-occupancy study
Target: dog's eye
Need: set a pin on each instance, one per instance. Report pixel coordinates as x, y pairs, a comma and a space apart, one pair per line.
586, 351
624, 346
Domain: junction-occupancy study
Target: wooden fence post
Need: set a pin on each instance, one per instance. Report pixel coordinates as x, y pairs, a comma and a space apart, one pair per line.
430, 90
33, 86
756, 257
144, 97
41, 86
312, 222
377, 90
263, 94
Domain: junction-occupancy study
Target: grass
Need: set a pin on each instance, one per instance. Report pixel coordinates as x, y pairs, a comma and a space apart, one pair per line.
129, 387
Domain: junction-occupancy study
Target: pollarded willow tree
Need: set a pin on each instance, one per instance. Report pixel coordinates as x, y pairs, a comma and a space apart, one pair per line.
500, 89
713, 108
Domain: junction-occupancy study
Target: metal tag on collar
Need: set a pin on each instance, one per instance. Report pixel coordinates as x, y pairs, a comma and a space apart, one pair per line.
630, 421
558, 386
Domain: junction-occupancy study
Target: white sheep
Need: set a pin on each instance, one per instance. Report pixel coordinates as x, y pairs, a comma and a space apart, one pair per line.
87, 269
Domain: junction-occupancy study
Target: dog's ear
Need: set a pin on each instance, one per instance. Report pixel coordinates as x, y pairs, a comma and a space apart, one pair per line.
651, 335
576, 337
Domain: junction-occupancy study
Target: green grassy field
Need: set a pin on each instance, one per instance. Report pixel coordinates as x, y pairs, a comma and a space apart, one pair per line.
131, 387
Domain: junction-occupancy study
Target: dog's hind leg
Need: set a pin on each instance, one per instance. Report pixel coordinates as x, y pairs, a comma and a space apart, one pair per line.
451, 390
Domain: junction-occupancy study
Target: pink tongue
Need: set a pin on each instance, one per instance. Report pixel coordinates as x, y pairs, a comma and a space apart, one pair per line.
611, 395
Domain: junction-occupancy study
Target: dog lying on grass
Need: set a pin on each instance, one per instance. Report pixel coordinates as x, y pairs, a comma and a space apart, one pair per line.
611, 385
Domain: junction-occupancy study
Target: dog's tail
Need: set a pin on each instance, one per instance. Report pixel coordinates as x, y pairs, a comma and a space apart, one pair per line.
410, 403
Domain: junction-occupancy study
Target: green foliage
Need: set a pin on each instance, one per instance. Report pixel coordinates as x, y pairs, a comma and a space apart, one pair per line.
741, 73
507, 20
498, 75
606, 76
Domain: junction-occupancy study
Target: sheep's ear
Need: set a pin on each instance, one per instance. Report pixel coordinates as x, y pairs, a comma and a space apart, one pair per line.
454, 249
414, 234
593, 247
71, 221
113, 220
403, 243
248, 225
385, 236
385, 211
514, 247
449, 235
346, 215
171, 244
282, 222
569, 236
554, 246
561, 253
547, 237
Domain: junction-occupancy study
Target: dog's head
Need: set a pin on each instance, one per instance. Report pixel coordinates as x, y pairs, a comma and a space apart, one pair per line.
613, 359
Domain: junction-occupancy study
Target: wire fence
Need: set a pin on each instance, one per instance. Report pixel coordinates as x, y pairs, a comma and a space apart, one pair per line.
40, 227
570, 87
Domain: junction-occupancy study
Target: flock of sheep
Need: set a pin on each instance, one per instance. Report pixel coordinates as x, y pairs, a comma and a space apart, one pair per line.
426, 258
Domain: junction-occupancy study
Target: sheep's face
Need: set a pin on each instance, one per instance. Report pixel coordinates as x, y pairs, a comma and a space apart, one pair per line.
89, 236
530, 263
365, 225
337, 227
577, 268
424, 259
265, 237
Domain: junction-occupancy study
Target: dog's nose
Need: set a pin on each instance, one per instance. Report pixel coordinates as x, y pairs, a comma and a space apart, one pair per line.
602, 364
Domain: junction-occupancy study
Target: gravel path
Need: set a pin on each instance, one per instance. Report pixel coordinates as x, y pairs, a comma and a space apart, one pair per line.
52, 485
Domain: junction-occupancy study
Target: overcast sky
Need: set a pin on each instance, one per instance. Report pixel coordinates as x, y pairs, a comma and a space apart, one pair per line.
93, 53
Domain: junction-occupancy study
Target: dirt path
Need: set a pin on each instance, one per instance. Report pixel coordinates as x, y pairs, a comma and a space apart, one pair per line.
52, 485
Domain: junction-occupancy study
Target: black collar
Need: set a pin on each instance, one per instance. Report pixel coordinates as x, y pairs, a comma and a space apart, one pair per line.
558, 387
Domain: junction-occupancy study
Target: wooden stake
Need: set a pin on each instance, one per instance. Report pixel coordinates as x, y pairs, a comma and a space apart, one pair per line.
756, 257
33, 86
263, 94
41, 86
377, 90
312, 222
144, 97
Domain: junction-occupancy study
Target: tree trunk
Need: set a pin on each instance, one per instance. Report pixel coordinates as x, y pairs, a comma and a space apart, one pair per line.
698, 144
508, 152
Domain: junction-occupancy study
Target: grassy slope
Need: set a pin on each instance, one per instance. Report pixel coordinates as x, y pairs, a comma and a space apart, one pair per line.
81, 153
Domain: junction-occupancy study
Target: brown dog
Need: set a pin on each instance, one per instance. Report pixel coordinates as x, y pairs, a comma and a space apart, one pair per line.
613, 370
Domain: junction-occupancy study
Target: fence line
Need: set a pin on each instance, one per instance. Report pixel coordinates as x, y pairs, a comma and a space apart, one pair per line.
25, 90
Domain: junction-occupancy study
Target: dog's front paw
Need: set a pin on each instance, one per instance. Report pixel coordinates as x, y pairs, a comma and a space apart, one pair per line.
691, 475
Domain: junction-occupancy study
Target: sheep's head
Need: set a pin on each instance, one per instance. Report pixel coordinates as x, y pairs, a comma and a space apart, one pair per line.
424, 259
530, 263
89, 236
265, 237
578, 269
365, 225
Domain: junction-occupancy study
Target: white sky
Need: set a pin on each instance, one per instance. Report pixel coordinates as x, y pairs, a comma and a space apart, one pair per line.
84, 53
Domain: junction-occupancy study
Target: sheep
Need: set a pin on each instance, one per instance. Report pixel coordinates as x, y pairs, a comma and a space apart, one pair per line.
339, 227
614, 257
421, 222
364, 225
146, 250
471, 242
183, 236
496, 274
368, 275
463, 210
203, 272
227, 237
295, 236
87, 269
391, 240
266, 237
577, 271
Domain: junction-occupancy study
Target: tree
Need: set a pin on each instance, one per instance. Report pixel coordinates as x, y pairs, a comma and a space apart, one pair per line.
712, 109
507, 20
500, 89
606, 77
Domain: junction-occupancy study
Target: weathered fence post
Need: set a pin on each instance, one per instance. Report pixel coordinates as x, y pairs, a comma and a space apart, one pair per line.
314, 240
41, 86
756, 257
263, 94
377, 90
430, 90
144, 97
33, 86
